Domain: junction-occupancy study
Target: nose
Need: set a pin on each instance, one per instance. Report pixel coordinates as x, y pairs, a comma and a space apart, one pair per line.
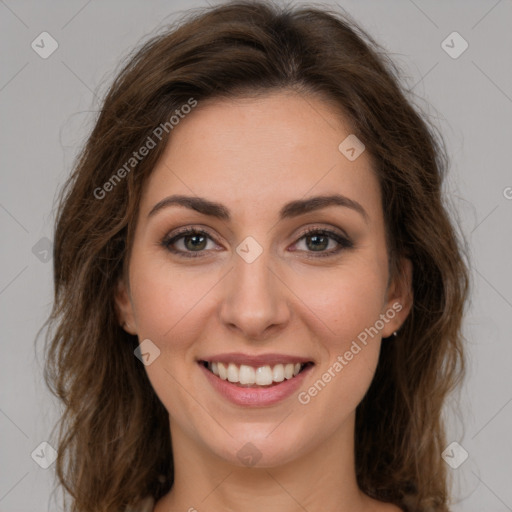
255, 299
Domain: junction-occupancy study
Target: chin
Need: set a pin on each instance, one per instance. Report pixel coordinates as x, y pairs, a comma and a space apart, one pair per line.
259, 447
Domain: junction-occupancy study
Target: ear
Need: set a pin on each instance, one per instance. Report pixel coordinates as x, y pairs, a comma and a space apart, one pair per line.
399, 298
124, 308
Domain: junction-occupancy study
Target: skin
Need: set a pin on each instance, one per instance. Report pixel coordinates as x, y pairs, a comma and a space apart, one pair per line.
253, 155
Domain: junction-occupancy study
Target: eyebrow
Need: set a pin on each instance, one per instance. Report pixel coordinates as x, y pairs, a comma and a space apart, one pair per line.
289, 210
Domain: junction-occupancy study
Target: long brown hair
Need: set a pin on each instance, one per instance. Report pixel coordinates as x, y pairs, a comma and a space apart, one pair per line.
114, 439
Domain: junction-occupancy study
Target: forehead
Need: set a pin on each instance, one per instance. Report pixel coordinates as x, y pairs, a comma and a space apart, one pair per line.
256, 153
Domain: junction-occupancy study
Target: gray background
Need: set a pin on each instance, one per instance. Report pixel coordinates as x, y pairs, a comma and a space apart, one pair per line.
47, 108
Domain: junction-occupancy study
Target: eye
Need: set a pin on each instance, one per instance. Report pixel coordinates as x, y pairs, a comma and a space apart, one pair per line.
319, 239
192, 242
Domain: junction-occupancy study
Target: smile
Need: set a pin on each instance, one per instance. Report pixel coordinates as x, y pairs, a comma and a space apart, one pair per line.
250, 376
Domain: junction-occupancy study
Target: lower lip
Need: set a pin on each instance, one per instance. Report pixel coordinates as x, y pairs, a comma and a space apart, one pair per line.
255, 397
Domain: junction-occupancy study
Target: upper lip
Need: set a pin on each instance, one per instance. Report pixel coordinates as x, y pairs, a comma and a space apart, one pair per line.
255, 360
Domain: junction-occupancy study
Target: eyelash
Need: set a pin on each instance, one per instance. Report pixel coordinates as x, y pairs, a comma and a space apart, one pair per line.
169, 240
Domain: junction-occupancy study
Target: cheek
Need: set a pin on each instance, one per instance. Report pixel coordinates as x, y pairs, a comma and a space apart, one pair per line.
166, 298
166, 306
344, 302
346, 322
347, 369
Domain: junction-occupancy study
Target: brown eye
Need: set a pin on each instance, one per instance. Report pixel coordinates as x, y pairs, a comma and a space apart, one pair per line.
193, 242
318, 240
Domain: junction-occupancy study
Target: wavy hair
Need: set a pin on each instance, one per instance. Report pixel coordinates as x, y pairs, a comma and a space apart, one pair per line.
114, 440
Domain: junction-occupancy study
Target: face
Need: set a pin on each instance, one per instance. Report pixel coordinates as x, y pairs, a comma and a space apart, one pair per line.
267, 277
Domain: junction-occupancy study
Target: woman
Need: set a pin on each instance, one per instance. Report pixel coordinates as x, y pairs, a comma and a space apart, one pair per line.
258, 289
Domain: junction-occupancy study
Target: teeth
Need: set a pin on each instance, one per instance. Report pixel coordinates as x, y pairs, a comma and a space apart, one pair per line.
278, 373
248, 375
222, 372
263, 376
233, 373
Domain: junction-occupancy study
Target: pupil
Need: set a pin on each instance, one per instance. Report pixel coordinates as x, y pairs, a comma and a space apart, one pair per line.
194, 245
317, 237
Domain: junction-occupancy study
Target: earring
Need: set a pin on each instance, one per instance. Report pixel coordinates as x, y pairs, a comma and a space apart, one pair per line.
395, 334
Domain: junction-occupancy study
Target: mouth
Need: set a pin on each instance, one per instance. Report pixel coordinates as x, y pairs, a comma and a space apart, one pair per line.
247, 376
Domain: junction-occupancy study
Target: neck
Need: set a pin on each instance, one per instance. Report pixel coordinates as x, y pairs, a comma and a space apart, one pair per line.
321, 479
